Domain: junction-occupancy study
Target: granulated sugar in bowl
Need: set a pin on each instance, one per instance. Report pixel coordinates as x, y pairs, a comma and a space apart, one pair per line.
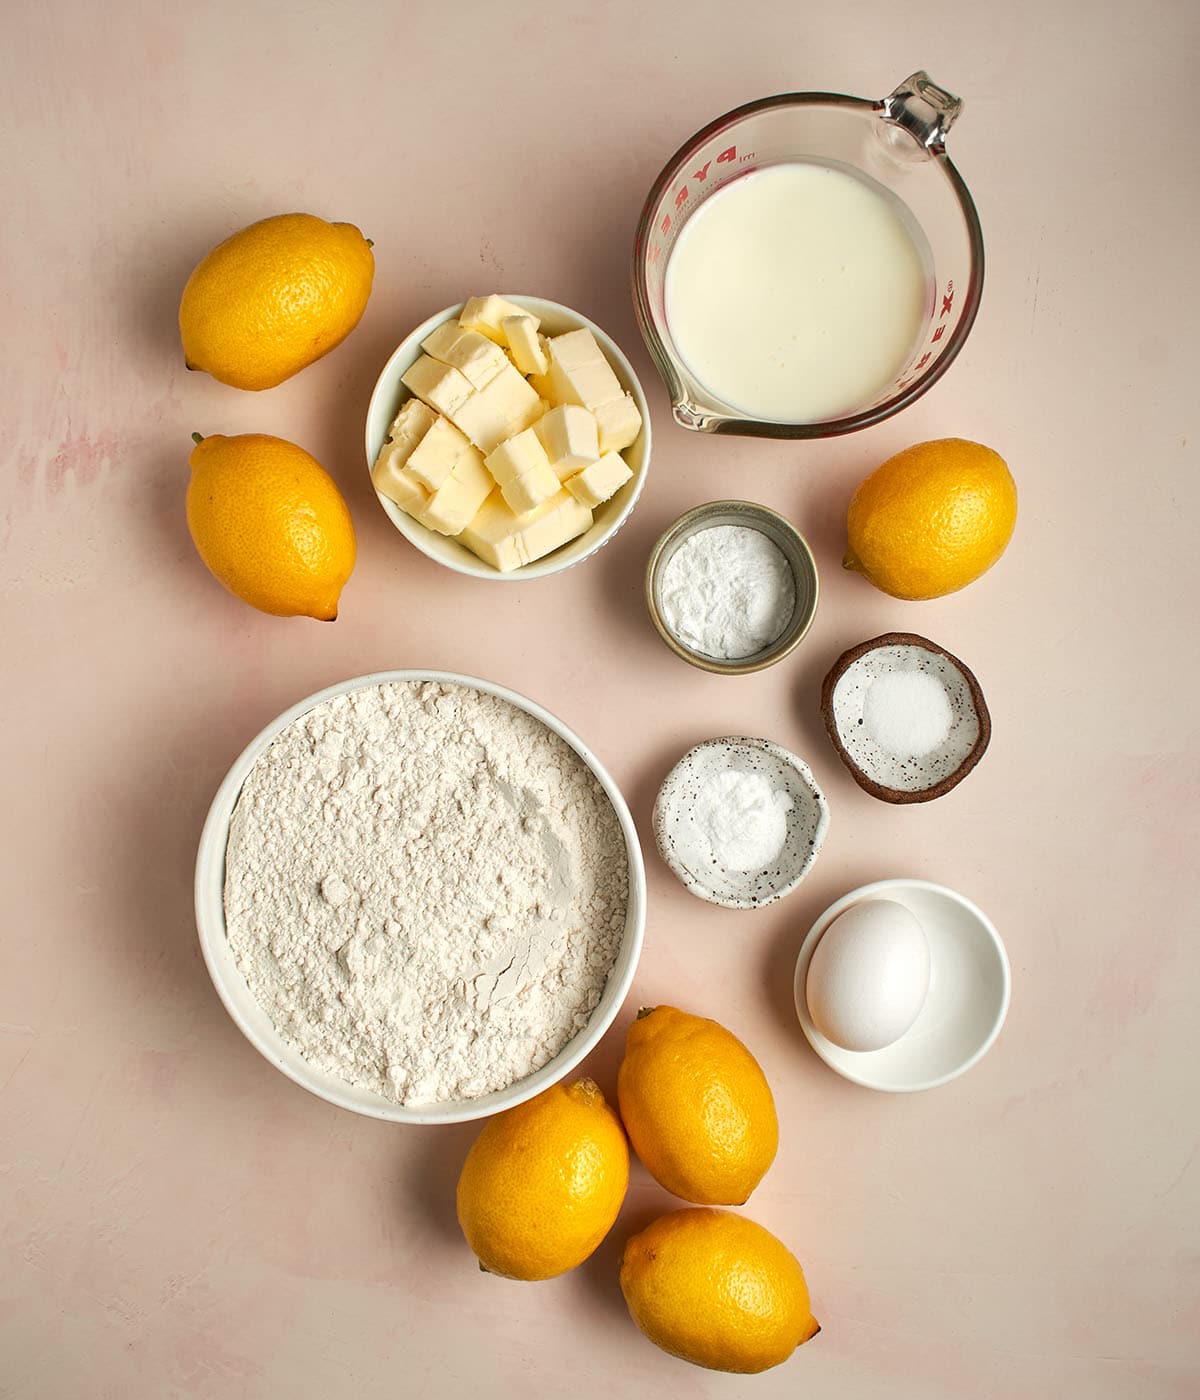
420, 896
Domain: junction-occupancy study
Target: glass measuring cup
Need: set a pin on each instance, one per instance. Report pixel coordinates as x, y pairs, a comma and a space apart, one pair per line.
897, 142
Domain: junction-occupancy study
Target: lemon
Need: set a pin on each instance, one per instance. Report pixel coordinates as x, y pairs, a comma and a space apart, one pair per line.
696, 1106
931, 519
543, 1182
274, 298
718, 1290
271, 524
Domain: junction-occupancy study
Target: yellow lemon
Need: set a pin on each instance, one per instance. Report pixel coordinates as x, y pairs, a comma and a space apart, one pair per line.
696, 1106
274, 298
271, 524
931, 519
543, 1182
717, 1290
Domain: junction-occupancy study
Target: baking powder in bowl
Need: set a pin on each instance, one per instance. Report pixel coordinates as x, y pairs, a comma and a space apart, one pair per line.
425, 890
727, 592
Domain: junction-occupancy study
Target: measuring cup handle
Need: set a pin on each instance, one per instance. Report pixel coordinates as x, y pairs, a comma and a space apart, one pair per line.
925, 110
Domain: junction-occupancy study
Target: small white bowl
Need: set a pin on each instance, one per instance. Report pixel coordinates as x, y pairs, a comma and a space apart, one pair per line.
807, 822
255, 1024
389, 394
969, 989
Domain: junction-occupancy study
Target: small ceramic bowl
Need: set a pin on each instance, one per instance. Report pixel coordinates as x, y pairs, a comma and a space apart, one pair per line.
389, 394
904, 778
969, 990
256, 1025
807, 822
781, 533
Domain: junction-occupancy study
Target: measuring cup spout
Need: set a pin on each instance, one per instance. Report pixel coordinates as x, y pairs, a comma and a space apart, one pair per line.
922, 109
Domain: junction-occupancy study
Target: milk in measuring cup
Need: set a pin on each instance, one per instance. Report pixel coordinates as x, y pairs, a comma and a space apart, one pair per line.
797, 293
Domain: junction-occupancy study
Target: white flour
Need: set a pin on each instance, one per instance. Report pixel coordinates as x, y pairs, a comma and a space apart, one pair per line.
728, 592
425, 890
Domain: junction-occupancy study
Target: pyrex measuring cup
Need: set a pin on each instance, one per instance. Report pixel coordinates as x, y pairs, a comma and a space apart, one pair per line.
897, 142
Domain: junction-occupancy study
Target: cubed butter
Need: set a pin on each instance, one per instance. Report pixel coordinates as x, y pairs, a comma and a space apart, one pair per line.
521, 332
516, 456
486, 315
478, 359
527, 492
500, 410
579, 373
410, 425
619, 423
540, 384
570, 437
435, 456
441, 386
506, 540
599, 480
390, 479
457, 500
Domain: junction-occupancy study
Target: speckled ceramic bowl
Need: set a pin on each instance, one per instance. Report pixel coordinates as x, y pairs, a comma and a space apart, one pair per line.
807, 822
781, 533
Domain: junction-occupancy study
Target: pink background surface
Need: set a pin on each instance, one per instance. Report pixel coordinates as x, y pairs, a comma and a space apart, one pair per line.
176, 1219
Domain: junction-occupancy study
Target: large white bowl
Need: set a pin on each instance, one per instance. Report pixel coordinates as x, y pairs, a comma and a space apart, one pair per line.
253, 1021
389, 394
969, 989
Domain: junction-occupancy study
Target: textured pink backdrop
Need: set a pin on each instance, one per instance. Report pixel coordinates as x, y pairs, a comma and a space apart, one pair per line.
176, 1219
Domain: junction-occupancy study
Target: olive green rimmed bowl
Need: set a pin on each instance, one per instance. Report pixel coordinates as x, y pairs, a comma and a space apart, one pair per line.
780, 532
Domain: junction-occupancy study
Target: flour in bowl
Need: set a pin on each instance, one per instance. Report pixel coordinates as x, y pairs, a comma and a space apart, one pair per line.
425, 889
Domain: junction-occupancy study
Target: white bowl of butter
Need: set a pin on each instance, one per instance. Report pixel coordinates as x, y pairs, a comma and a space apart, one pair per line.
389, 397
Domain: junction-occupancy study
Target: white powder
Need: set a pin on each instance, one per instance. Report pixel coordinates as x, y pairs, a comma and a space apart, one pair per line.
738, 822
727, 592
425, 890
907, 713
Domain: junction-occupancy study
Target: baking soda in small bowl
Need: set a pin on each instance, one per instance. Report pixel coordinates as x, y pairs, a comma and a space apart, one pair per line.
728, 592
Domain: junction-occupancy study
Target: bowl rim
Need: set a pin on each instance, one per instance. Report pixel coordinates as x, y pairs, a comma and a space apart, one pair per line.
902, 796
417, 534
208, 896
881, 889
691, 522
782, 755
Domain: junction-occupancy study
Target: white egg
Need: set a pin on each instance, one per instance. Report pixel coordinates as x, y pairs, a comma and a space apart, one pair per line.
868, 976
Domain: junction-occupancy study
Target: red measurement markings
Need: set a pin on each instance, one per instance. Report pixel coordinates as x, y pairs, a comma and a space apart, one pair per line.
947, 300
682, 195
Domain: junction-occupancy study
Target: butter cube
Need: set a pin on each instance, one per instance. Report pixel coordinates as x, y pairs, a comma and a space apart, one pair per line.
526, 345
410, 425
486, 315
579, 373
498, 411
435, 456
441, 386
570, 437
540, 384
457, 500
506, 540
477, 358
390, 479
599, 480
516, 456
522, 471
526, 493
619, 423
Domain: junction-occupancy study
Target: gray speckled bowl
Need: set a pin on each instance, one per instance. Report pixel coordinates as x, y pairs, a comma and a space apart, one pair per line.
807, 822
